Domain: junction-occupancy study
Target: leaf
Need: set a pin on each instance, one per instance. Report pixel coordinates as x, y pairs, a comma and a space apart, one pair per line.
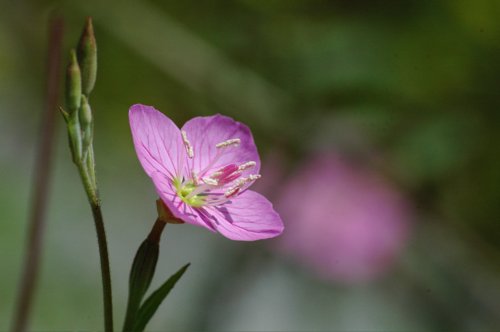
141, 274
150, 306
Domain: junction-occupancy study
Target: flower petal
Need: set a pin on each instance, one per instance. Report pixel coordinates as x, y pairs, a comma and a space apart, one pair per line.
205, 133
157, 141
248, 217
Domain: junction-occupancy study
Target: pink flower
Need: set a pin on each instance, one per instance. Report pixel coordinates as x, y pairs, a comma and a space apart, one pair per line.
345, 222
202, 172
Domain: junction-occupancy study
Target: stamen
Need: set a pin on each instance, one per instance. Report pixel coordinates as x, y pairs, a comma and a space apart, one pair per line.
187, 144
215, 175
215, 199
229, 142
234, 188
194, 175
230, 177
210, 181
239, 184
253, 177
232, 191
198, 190
247, 165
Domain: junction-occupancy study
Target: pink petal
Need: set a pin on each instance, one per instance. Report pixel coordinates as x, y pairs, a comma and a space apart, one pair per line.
157, 140
248, 217
205, 132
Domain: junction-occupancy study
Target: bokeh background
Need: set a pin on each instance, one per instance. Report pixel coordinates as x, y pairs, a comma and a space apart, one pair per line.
378, 127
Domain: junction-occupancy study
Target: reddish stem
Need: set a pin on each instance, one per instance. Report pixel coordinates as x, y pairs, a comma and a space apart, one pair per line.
34, 244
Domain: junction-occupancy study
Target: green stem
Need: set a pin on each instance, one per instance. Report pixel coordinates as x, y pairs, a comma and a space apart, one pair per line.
158, 227
95, 204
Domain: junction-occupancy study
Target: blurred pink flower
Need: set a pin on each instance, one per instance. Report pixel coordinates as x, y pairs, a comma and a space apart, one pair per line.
202, 172
344, 222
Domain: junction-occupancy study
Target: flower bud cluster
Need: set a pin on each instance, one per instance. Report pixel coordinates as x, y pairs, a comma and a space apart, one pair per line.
80, 80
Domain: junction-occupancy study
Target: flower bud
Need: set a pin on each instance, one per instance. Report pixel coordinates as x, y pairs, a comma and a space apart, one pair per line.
73, 84
75, 137
87, 57
85, 114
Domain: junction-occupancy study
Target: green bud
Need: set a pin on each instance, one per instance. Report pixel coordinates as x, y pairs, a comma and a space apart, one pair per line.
85, 114
87, 57
75, 137
73, 84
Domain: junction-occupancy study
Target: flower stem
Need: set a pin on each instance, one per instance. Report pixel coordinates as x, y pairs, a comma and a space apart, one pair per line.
93, 197
105, 271
155, 234
36, 226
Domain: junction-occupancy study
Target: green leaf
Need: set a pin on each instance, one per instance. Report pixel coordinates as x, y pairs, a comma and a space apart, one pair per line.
141, 274
150, 306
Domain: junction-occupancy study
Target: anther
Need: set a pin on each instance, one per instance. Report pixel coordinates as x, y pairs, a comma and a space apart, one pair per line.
253, 177
215, 175
187, 144
194, 175
210, 181
232, 191
229, 142
247, 165
235, 188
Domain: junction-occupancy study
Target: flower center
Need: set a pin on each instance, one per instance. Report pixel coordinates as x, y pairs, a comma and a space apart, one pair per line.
184, 189
214, 186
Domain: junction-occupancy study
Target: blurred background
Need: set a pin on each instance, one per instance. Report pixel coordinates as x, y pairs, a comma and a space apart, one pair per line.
378, 128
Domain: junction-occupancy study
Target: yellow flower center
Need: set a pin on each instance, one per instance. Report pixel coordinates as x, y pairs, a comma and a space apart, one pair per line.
184, 190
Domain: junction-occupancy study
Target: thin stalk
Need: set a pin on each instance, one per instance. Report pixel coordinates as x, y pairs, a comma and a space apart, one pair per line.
95, 205
105, 271
36, 231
